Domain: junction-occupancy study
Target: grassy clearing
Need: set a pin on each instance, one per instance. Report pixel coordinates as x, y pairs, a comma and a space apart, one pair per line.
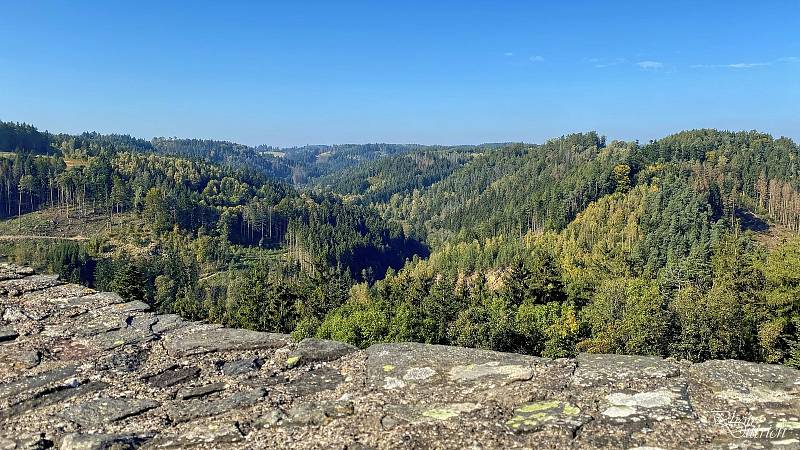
71, 163
54, 223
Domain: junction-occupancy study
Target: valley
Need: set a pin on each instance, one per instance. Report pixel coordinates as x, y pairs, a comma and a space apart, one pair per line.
685, 246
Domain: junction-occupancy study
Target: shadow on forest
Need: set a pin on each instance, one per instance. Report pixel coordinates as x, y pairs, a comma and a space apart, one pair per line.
750, 221
369, 263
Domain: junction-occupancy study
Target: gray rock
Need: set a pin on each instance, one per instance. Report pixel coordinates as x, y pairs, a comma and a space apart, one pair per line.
13, 272
317, 380
208, 340
70, 389
35, 441
601, 370
173, 376
219, 434
306, 414
127, 359
753, 402
121, 337
739, 380
26, 359
78, 441
143, 322
318, 413
32, 283
7, 334
167, 322
358, 446
318, 350
273, 417
15, 314
555, 414
668, 401
36, 382
421, 371
194, 409
241, 366
93, 324
95, 300
200, 391
134, 306
107, 410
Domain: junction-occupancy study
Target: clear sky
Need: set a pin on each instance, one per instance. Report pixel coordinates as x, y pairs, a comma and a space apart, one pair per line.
302, 72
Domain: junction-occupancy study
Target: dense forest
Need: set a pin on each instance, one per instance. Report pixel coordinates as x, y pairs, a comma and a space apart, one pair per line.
685, 246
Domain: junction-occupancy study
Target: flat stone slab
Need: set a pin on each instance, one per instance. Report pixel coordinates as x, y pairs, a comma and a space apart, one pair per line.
208, 340
317, 380
36, 382
124, 360
555, 414
17, 287
107, 410
603, 370
200, 391
166, 323
316, 413
81, 441
112, 339
21, 358
318, 350
669, 402
194, 409
749, 404
436, 413
241, 366
411, 363
91, 371
12, 272
218, 434
747, 382
422, 371
7, 334
56, 395
171, 377
32, 441
135, 306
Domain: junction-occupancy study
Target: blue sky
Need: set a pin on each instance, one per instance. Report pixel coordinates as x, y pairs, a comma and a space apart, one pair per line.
293, 73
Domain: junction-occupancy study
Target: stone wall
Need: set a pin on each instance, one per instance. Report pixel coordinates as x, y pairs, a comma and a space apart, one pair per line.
81, 369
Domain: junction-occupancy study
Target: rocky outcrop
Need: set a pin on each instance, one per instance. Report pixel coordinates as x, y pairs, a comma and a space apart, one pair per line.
81, 369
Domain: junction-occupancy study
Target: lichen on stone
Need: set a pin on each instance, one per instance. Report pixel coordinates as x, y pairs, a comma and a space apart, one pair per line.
292, 361
553, 413
788, 425
393, 383
419, 373
440, 413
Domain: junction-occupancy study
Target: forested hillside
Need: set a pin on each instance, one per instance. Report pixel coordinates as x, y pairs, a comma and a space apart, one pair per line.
685, 246
377, 181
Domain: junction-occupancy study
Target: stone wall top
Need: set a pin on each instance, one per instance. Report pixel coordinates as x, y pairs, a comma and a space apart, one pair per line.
81, 369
